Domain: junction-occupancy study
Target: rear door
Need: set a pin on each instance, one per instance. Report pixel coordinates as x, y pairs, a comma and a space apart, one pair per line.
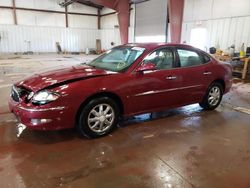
194, 73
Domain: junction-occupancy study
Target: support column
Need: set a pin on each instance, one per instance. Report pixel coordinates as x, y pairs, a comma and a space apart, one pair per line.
176, 9
14, 11
66, 16
122, 7
99, 19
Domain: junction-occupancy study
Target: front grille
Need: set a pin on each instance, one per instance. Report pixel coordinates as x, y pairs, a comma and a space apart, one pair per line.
18, 93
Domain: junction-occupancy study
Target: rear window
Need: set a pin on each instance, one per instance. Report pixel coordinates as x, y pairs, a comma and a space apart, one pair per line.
190, 58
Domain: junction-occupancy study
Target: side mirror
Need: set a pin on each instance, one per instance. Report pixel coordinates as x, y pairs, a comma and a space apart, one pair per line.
146, 67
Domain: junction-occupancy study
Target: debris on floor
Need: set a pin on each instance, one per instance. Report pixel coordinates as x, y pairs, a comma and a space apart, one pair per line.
244, 110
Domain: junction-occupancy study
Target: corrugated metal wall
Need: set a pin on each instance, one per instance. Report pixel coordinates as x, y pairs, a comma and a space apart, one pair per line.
223, 32
42, 39
48, 19
227, 21
113, 35
39, 31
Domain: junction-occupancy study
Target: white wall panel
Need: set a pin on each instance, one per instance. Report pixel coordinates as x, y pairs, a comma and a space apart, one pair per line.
48, 5
76, 7
78, 21
113, 35
25, 3
38, 4
55, 19
39, 31
43, 39
50, 19
26, 17
215, 9
227, 21
223, 32
241, 7
108, 36
5, 3
6, 16
106, 10
194, 10
109, 22
40, 18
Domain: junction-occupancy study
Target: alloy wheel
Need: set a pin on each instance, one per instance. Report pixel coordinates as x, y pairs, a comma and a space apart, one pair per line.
101, 118
214, 96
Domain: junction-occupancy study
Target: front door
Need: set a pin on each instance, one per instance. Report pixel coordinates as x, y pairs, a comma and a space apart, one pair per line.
157, 88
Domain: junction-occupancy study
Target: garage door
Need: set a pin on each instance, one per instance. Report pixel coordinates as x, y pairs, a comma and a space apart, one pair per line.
150, 21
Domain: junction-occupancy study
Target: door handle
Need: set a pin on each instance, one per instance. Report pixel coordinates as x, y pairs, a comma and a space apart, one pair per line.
207, 73
171, 77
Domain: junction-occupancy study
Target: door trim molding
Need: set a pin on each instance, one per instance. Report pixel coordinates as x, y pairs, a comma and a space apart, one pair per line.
165, 90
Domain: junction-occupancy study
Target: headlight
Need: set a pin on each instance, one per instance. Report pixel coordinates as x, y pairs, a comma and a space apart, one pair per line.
44, 97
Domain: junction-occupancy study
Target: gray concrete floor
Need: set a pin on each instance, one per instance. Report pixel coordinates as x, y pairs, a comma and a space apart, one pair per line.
183, 147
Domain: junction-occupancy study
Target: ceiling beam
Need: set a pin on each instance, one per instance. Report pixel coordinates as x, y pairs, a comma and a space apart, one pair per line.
137, 1
66, 3
89, 3
105, 3
49, 11
83, 2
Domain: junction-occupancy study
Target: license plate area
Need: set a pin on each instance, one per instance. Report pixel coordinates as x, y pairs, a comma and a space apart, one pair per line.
19, 126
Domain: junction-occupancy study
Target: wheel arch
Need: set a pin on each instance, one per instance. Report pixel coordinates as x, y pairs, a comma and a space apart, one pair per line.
220, 81
111, 95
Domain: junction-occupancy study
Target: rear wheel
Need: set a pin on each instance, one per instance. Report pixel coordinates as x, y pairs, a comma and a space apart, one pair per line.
213, 97
98, 117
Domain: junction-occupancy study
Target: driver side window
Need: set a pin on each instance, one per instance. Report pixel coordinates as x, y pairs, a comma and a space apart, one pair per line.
162, 58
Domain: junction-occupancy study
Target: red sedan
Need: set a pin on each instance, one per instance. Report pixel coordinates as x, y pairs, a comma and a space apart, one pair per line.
127, 80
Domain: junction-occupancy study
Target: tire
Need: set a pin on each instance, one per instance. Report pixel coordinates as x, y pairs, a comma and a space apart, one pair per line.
98, 118
212, 97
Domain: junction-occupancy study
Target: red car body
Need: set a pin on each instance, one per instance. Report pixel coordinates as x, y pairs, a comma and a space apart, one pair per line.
136, 93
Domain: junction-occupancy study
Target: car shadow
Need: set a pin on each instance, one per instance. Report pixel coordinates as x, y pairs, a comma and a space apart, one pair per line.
52, 137
49, 137
185, 111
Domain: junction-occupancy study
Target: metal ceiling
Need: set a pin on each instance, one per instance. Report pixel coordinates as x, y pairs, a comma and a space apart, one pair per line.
84, 2
137, 1
89, 3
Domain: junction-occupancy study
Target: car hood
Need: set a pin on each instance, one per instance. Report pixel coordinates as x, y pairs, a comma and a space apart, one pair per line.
61, 76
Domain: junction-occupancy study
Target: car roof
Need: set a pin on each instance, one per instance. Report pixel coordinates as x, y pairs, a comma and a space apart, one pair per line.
151, 46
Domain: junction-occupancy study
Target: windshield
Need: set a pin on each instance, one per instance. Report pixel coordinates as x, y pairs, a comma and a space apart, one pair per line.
117, 59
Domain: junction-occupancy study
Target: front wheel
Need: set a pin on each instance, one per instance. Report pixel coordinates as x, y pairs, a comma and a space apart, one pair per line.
213, 97
98, 117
